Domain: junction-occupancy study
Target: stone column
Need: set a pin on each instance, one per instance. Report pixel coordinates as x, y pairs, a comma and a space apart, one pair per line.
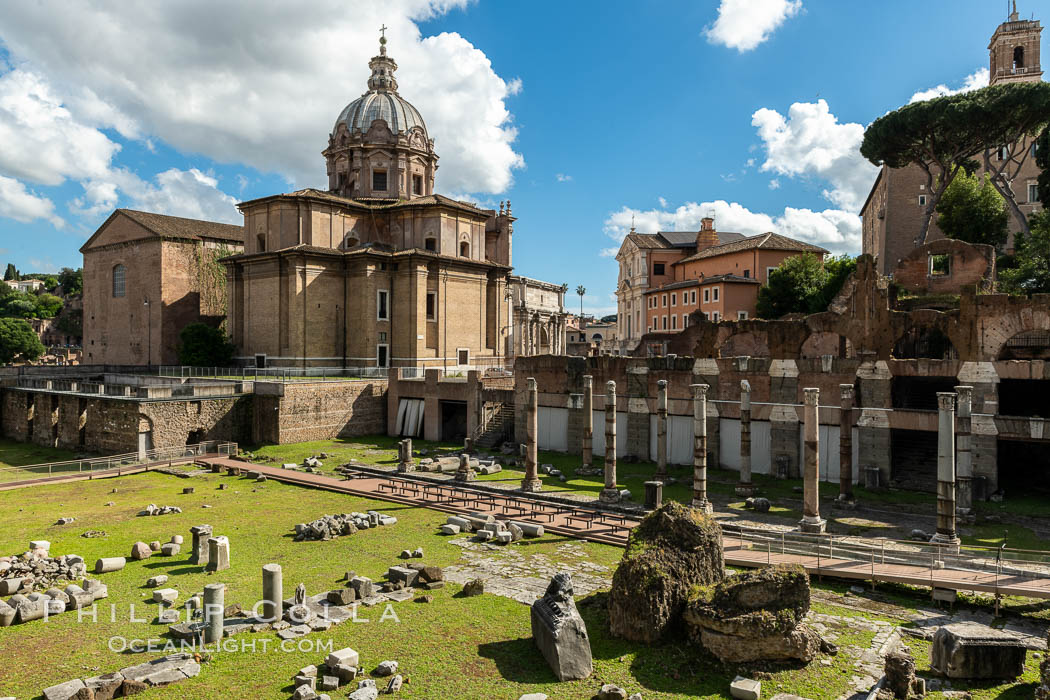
588, 421
811, 520
531, 482
700, 448
946, 470
745, 487
201, 535
464, 473
661, 430
846, 442
273, 592
214, 604
610, 494
964, 459
404, 456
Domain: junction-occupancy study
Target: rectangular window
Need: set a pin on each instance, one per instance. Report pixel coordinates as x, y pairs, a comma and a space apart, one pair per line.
1033, 193
685, 320
431, 306
674, 322
430, 244
714, 316
382, 336
741, 315
382, 356
463, 356
714, 294
665, 301
747, 274
940, 265
379, 180
417, 184
382, 305
692, 297
922, 200
658, 268
665, 323
674, 299
768, 271
119, 273
707, 296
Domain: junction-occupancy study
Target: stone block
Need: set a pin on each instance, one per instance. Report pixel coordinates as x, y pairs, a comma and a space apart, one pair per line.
974, 651
342, 596
745, 689
218, 554
343, 657
140, 550
402, 574
449, 529
165, 595
170, 549
64, 691
560, 633
105, 687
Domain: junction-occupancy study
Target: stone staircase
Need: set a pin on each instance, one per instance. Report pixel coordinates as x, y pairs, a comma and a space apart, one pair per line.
498, 428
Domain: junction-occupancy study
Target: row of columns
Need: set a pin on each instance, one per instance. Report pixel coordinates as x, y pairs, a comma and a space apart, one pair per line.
811, 520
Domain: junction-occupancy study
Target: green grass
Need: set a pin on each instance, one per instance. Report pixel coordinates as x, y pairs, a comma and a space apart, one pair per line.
19, 454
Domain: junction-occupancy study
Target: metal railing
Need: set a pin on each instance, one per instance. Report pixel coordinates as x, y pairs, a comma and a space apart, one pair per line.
131, 459
284, 374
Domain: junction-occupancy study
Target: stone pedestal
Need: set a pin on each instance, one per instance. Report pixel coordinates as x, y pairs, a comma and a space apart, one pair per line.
610, 494
587, 449
745, 487
654, 494
531, 482
218, 554
811, 520
560, 633
964, 457
214, 604
464, 472
405, 462
661, 430
846, 442
946, 534
700, 448
201, 535
273, 592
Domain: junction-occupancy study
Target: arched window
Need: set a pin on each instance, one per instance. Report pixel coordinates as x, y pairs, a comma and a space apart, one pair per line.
261, 241
119, 273
464, 250
1019, 57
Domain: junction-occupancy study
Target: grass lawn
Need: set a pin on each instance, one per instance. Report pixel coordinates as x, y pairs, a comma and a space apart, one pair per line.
471, 648
18, 454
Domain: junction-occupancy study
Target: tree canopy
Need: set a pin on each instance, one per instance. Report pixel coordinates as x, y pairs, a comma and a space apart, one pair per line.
17, 339
1030, 271
1042, 159
201, 345
48, 305
943, 136
11, 273
803, 284
18, 305
971, 210
72, 281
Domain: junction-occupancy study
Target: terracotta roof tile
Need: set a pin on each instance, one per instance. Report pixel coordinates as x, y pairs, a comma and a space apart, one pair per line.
764, 241
178, 227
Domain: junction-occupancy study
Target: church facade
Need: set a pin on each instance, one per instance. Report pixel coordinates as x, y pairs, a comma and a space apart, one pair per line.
379, 270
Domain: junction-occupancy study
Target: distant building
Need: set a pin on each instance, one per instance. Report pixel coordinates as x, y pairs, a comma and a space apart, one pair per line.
894, 210
537, 313
29, 285
588, 337
146, 276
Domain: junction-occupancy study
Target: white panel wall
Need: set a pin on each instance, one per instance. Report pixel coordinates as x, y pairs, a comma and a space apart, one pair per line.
679, 439
729, 443
761, 452
553, 426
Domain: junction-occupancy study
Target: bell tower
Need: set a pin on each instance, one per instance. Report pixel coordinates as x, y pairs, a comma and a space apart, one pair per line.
1014, 50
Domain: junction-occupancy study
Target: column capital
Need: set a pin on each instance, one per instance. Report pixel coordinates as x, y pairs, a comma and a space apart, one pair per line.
530, 384
812, 396
588, 380
945, 400
610, 385
700, 390
845, 391
964, 403
745, 386
661, 384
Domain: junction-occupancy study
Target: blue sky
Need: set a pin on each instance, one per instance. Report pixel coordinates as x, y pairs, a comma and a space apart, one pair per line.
583, 114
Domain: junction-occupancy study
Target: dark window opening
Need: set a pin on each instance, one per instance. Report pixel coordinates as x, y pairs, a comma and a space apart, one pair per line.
464, 250
1019, 57
1027, 345
195, 437
379, 180
430, 244
924, 343
940, 265
1024, 397
431, 306
658, 268
919, 393
747, 274
417, 184
381, 356
381, 310
260, 240
453, 420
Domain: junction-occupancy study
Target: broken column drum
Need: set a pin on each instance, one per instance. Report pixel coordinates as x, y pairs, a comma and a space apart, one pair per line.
700, 448
531, 482
587, 450
273, 593
946, 470
745, 487
610, 494
214, 597
661, 430
846, 441
811, 520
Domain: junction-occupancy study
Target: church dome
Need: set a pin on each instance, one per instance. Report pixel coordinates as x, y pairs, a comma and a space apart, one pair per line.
396, 111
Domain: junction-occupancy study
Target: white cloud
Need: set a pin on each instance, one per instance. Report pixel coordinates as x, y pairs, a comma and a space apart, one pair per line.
744, 24
268, 97
188, 193
811, 142
976, 80
774, 184
662, 201
21, 205
562, 177
836, 230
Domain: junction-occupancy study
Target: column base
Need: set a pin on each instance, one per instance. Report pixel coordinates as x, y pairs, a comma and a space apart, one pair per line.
746, 490
405, 468
465, 476
814, 525
531, 485
704, 506
609, 496
949, 542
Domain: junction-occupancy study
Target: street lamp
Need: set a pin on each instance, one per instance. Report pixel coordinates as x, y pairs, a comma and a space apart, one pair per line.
149, 332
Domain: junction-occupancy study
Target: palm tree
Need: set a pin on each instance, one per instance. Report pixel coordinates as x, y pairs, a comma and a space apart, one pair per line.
581, 290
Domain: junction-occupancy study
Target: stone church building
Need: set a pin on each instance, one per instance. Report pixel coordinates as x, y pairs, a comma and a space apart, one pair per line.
378, 270
894, 210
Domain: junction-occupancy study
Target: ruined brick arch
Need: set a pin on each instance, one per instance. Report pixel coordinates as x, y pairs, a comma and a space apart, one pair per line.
999, 332
924, 341
744, 343
145, 423
820, 343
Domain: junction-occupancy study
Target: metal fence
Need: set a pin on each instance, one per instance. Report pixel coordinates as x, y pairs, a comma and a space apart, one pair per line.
132, 459
284, 374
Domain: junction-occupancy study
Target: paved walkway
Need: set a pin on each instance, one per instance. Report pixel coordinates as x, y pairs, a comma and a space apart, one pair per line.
121, 470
